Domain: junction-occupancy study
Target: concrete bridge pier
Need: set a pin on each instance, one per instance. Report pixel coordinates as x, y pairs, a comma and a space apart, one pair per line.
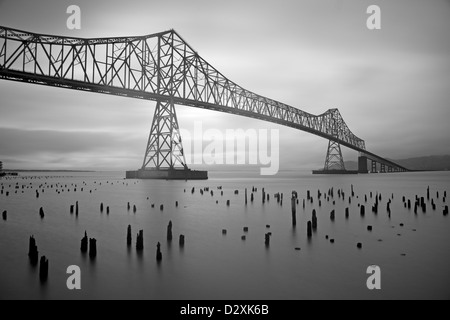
374, 167
362, 164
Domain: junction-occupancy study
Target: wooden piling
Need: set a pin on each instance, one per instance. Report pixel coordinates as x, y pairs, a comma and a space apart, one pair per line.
92, 248
182, 240
294, 211
169, 231
33, 252
129, 236
158, 252
309, 229
43, 269
314, 220
267, 239
84, 243
140, 241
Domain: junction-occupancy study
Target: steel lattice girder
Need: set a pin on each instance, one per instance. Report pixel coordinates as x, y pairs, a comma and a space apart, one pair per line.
334, 159
164, 148
158, 67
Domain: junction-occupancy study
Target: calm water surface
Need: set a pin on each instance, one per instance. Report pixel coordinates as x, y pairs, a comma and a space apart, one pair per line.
414, 259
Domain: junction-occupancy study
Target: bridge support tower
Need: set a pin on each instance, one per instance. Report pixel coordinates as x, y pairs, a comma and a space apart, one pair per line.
164, 156
334, 161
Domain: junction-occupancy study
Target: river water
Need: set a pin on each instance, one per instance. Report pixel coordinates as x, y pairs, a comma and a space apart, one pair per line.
410, 249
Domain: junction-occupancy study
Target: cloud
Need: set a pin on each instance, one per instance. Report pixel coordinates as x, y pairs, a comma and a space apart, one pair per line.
66, 149
27, 142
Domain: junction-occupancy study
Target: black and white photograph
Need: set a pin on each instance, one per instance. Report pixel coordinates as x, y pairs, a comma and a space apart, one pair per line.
225, 156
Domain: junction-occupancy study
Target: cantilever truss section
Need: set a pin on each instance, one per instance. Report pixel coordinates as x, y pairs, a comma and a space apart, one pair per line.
164, 148
160, 67
156, 67
334, 159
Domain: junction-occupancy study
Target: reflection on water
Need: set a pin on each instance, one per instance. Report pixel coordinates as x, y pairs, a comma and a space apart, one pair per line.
412, 250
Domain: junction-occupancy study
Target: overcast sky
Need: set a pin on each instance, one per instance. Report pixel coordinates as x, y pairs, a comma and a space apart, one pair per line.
392, 86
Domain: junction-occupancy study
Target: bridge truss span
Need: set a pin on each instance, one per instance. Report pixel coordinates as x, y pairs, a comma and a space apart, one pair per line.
160, 67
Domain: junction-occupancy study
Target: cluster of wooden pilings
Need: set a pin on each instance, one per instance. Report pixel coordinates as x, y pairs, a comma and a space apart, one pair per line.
373, 201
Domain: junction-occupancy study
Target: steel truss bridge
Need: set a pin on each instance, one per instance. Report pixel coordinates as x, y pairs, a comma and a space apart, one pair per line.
162, 67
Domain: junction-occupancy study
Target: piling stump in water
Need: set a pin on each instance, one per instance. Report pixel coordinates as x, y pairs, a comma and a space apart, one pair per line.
43, 269
169, 231
33, 252
129, 237
294, 212
158, 252
84, 243
182, 239
140, 241
92, 248
309, 229
267, 239
314, 220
